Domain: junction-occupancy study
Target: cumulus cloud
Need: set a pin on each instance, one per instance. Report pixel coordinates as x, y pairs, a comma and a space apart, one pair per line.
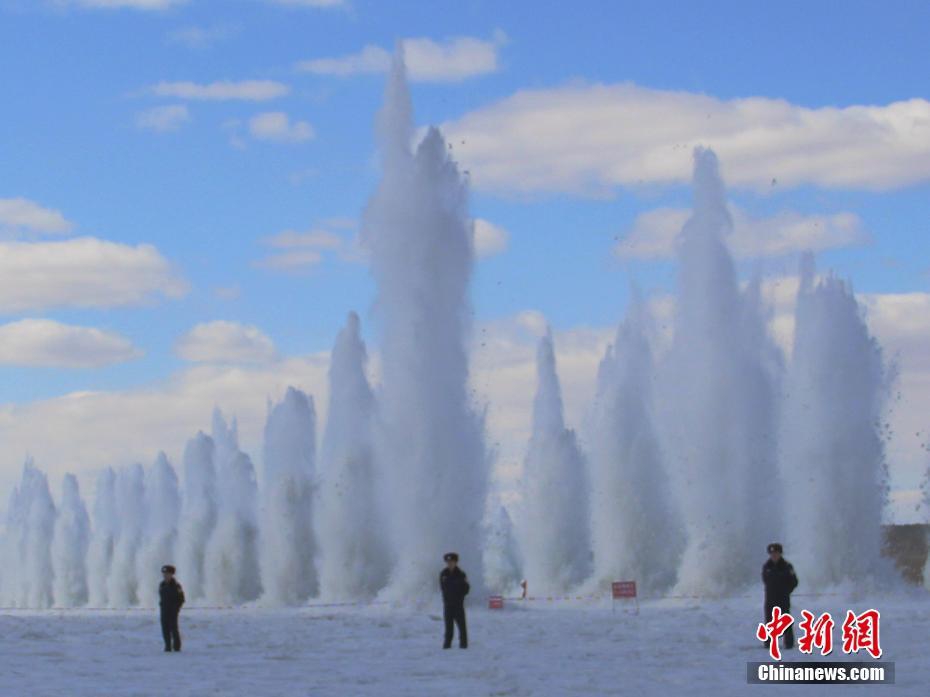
195, 37
83, 272
654, 233
451, 60
225, 342
591, 138
19, 215
298, 251
223, 90
277, 127
43, 342
85, 431
490, 239
163, 118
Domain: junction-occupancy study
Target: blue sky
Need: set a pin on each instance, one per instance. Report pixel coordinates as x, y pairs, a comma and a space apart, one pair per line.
205, 129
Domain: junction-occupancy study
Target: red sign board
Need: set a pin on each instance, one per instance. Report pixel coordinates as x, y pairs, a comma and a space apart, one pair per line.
623, 589
496, 602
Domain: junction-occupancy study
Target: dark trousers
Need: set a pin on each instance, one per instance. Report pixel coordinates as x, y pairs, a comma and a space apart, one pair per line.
169, 629
455, 613
785, 605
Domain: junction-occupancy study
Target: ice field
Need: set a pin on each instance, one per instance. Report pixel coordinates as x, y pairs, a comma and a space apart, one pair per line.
672, 646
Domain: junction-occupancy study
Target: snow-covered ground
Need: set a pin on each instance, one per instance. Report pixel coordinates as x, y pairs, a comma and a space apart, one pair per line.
671, 647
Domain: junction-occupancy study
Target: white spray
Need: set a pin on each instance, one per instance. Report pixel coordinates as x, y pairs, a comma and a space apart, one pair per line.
553, 529
719, 399
103, 539
832, 453
123, 582
635, 528
503, 565
34, 526
198, 514
429, 443
287, 541
162, 508
352, 559
69, 546
232, 572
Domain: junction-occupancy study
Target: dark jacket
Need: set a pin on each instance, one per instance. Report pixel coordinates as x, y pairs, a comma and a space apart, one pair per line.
170, 596
779, 579
454, 585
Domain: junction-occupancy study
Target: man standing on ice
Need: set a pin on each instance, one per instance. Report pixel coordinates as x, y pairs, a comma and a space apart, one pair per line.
170, 600
779, 579
454, 585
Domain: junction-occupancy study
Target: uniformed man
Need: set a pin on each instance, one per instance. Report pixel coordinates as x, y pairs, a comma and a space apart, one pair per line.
170, 600
779, 579
454, 585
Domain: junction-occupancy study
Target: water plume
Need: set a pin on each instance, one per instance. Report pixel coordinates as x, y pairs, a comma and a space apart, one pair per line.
69, 547
198, 513
352, 558
162, 509
554, 532
123, 581
287, 542
832, 454
719, 421
232, 571
429, 440
103, 538
636, 530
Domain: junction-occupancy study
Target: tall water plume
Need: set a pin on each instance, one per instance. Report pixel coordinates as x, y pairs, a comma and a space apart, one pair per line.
123, 581
635, 526
503, 563
232, 571
352, 560
160, 531
69, 547
10, 570
832, 453
198, 513
430, 441
287, 541
103, 539
554, 528
33, 518
719, 404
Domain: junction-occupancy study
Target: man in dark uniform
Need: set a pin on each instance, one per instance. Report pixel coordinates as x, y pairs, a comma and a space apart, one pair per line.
170, 600
454, 585
779, 579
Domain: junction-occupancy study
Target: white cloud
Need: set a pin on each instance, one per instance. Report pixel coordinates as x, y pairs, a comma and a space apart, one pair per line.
654, 233
42, 342
591, 138
226, 342
301, 251
223, 90
83, 272
163, 118
195, 37
128, 4
277, 127
317, 239
427, 60
490, 239
85, 431
293, 261
23, 215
